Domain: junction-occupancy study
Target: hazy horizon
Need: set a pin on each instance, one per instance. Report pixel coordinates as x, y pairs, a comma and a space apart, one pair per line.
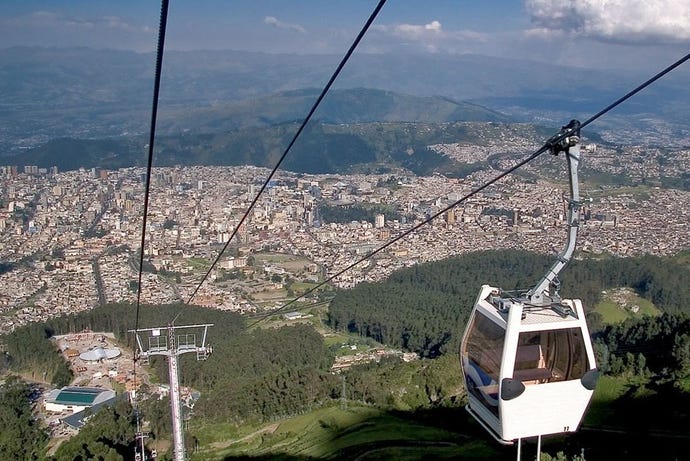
594, 34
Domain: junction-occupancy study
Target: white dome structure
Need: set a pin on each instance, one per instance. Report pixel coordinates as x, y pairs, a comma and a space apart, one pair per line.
100, 353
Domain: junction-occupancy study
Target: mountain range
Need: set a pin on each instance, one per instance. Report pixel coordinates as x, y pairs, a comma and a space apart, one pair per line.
323, 148
54, 98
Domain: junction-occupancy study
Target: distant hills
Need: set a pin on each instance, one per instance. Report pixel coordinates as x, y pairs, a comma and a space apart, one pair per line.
72, 154
50, 93
358, 105
355, 130
323, 148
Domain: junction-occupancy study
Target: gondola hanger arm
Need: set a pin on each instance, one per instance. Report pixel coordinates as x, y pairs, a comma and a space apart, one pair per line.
567, 141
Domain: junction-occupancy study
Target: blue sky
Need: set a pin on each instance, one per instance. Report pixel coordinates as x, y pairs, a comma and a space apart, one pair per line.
596, 33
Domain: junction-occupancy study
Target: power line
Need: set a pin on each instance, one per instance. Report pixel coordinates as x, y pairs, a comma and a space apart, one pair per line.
550, 145
294, 139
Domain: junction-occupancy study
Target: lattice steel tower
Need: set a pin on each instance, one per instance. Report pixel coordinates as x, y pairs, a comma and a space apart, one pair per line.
162, 341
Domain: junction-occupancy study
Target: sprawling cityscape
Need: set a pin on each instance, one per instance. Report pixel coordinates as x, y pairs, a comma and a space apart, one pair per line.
286, 283
72, 239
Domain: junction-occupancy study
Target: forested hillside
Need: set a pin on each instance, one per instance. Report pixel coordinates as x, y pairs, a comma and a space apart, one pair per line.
258, 375
424, 308
323, 148
21, 436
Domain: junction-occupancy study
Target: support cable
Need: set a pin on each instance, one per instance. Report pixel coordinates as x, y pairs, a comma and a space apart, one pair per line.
551, 144
635, 91
406, 233
325, 90
152, 136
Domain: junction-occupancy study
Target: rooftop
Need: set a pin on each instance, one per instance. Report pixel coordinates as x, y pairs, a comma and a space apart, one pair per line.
100, 353
81, 396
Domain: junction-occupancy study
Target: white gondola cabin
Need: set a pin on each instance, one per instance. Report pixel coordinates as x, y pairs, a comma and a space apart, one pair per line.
527, 359
528, 371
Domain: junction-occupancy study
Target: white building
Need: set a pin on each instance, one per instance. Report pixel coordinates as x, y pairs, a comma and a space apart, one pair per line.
76, 399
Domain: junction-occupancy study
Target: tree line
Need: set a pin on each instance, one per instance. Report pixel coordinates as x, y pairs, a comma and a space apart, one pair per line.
424, 308
657, 347
358, 212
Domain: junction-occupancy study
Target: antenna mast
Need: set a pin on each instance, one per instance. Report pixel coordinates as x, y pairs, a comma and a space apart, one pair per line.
162, 341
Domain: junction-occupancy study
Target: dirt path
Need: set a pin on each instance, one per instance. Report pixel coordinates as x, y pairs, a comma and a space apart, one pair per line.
270, 429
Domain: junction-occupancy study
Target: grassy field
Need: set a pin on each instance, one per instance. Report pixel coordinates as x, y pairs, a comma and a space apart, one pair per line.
637, 192
620, 405
198, 264
607, 391
287, 261
340, 338
301, 287
358, 432
620, 304
611, 312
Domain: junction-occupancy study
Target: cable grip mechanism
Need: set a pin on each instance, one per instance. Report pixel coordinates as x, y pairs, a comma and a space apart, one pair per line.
568, 137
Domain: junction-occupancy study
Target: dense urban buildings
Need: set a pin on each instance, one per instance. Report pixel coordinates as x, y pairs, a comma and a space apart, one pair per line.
70, 240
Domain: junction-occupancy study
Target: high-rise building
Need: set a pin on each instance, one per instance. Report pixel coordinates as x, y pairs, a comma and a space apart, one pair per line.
450, 216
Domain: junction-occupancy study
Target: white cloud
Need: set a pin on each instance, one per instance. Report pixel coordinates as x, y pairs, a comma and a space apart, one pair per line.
116, 22
413, 31
79, 22
635, 21
275, 22
430, 37
51, 19
56, 28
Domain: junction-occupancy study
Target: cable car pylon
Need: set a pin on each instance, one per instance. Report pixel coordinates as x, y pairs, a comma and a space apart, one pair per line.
527, 358
162, 341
